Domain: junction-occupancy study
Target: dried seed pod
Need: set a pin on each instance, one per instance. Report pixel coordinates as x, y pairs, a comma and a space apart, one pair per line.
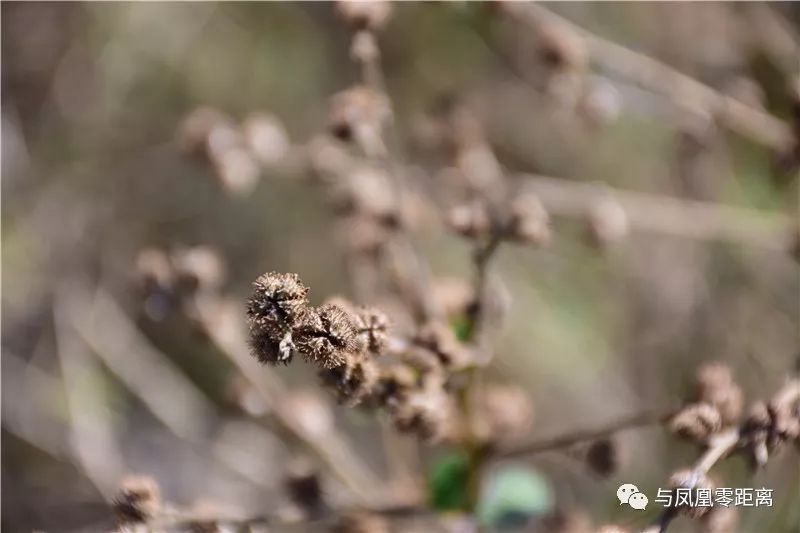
364, 14
696, 422
470, 220
394, 382
529, 222
692, 480
440, 339
277, 304
372, 326
354, 380
138, 500
714, 385
326, 336
427, 411
304, 487
362, 522
266, 137
603, 457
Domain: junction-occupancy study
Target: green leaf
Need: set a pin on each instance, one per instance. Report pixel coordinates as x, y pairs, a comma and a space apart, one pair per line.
462, 328
513, 496
447, 482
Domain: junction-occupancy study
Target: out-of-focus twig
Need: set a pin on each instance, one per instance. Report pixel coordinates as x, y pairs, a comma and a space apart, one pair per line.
684, 90
644, 418
92, 438
670, 216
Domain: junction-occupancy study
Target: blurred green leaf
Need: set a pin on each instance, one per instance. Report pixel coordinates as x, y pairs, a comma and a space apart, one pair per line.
447, 482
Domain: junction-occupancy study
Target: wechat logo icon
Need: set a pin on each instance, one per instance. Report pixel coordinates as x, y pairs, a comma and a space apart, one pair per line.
628, 493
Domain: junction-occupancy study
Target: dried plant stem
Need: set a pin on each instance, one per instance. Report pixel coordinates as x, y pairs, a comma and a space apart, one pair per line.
670, 216
644, 418
684, 90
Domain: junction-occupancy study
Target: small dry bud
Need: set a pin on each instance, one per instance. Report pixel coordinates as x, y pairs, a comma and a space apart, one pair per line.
696, 422
714, 385
440, 339
266, 138
138, 500
364, 14
359, 113
362, 522
608, 222
507, 409
692, 480
529, 222
304, 486
195, 129
470, 220
603, 457
326, 336
199, 267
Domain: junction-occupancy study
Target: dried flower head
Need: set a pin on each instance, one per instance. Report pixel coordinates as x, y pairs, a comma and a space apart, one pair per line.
427, 411
303, 484
372, 326
714, 385
138, 500
326, 336
470, 220
364, 14
529, 222
276, 306
354, 380
696, 422
692, 480
603, 457
266, 137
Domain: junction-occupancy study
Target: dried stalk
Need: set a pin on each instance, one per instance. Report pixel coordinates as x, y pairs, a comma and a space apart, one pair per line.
684, 90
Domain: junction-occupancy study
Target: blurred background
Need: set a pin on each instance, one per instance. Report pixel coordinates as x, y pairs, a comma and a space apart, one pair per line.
93, 172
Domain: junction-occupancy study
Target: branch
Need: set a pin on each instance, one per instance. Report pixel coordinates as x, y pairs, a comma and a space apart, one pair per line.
644, 418
671, 216
684, 90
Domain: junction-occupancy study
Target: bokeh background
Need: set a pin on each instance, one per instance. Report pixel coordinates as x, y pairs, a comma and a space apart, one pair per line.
92, 97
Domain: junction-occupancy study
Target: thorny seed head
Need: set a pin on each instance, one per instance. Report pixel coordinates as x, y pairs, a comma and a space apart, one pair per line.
138, 500
276, 306
714, 385
354, 380
440, 339
372, 326
692, 480
326, 336
696, 422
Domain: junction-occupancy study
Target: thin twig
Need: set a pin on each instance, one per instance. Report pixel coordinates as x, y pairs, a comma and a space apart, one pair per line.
644, 418
684, 90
